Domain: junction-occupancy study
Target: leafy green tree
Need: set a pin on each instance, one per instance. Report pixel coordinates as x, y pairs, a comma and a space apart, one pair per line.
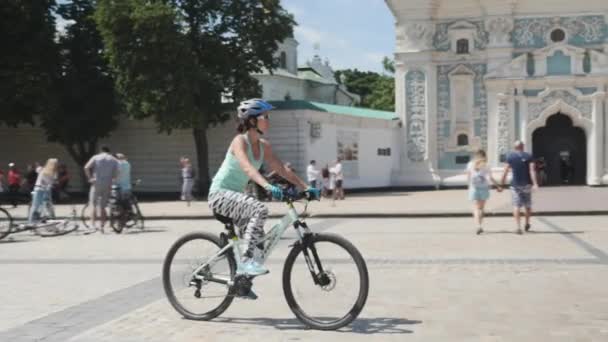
87, 109
28, 60
383, 95
181, 61
359, 82
377, 91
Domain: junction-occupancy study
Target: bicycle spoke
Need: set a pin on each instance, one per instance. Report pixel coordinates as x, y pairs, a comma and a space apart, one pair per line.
326, 283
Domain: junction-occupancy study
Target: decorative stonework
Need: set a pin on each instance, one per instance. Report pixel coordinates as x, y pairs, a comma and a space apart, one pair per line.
441, 40
535, 109
504, 132
499, 30
416, 36
415, 88
582, 30
480, 110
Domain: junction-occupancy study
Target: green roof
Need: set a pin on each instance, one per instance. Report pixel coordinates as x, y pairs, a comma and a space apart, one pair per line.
336, 109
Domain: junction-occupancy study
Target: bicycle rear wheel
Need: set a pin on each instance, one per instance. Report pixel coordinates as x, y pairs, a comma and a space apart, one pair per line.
85, 216
6, 223
198, 299
325, 281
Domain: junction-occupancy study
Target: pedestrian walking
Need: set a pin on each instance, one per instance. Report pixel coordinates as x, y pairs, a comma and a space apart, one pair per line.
479, 177
31, 175
187, 179
14, 184
338, 174
523, 181
2, 181
124, 177
326, 189
63, 180
101, 171
312, 174
42, 189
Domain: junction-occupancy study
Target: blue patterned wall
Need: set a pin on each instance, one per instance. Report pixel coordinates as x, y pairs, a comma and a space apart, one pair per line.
531, 33
441, 41
559, 64
443, 109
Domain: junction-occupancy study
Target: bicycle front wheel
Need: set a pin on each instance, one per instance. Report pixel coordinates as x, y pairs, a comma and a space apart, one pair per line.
56, 228
6, 223
325, 282
205, 295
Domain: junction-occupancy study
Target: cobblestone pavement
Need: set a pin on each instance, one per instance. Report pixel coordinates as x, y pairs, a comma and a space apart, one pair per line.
430, 280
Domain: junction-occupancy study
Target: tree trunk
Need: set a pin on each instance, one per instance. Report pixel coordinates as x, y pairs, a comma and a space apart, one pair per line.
202, 156
81, 156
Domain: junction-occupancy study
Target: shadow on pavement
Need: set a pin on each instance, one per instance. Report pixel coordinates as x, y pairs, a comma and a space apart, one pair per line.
13, 240
368, 326
486, 232
135, 231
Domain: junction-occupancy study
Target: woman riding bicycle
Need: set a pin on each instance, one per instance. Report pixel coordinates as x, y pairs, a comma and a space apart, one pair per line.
244, 158
42, 189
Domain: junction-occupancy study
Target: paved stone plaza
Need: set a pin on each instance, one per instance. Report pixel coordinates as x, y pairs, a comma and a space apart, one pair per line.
430, 280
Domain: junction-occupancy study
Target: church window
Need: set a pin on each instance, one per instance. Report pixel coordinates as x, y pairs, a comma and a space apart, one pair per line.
587, 62
530, 65
558, 35
462, 140
462, 46
283, 60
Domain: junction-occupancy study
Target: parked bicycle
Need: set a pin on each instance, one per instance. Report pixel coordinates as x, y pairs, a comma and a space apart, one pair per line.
45, 223
6, 223
123, 211
325, 278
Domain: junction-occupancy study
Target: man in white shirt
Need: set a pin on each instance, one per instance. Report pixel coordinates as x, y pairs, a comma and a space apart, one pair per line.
339, 177
312, 173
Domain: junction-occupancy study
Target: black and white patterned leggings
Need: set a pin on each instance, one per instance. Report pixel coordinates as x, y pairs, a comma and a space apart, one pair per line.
245, 211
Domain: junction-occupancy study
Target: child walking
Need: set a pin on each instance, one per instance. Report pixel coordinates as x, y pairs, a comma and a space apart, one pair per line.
479, 177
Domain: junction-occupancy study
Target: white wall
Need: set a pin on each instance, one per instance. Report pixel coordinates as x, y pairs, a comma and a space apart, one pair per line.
373, 170
155, 157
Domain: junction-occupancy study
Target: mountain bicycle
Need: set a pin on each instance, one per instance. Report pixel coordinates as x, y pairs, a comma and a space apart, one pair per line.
45, 223
124, 212
325, 278
6, 223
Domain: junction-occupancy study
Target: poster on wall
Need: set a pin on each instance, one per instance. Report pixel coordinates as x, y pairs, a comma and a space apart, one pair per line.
348, 150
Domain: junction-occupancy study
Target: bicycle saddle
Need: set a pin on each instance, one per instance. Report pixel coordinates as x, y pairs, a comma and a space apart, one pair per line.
223, 219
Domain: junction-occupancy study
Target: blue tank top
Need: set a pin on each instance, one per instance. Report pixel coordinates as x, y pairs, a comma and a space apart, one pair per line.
231, 176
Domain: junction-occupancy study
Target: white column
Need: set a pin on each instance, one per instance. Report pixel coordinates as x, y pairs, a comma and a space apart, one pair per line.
493, 91
595, 157
492, 152
604, 129
400, 107
431, 114
523, 120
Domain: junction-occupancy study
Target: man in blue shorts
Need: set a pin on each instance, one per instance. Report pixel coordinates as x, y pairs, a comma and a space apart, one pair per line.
522, 182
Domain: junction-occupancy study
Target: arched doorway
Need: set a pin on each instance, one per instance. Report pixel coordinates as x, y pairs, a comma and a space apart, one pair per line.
563, 148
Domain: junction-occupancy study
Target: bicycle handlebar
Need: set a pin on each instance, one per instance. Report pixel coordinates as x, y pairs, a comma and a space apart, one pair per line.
290, 195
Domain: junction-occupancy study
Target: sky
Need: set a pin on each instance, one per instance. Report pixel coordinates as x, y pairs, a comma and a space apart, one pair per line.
351, 33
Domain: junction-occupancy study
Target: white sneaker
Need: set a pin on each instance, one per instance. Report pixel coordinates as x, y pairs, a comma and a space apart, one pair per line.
252, 268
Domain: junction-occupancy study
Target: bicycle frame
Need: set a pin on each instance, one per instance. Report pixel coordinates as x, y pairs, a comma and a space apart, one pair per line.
270, 241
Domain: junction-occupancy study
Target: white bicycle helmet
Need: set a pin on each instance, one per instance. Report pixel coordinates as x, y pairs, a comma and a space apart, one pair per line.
253, 108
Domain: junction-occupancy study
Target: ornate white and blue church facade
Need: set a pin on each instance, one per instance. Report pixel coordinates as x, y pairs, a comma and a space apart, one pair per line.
480, 74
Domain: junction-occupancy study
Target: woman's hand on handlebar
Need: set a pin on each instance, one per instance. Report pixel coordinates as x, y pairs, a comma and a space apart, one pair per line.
275, 191
313, 193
